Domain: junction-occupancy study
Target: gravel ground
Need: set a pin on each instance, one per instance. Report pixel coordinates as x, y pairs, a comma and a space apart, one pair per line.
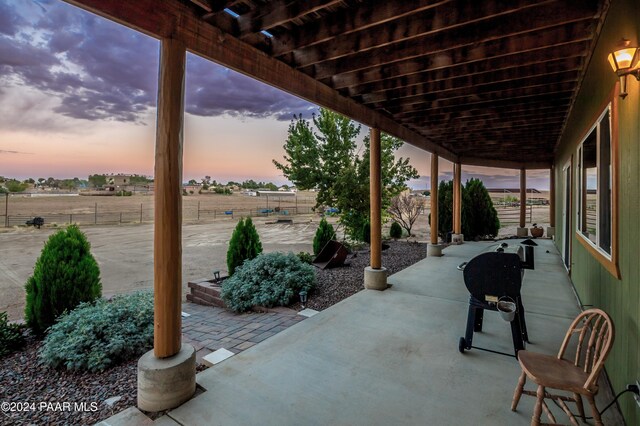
36, 388
333, 285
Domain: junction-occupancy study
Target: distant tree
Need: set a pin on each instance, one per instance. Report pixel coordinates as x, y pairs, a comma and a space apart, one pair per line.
13, 185
426, 193
193, 182
405, 210
96, 181
329, 162
41, 180
30, 180
481, 216
271, 186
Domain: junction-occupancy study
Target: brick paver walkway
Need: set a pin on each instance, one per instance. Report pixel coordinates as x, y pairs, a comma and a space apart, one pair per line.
212, 328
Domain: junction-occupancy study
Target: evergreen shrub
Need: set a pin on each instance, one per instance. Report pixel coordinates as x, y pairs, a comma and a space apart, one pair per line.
366, 232
395, 231
271, 279
305, 257
95, 336
244, 244
65, 275
11, 337
324, 234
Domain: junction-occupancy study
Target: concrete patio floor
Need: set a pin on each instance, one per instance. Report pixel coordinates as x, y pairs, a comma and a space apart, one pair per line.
391, 358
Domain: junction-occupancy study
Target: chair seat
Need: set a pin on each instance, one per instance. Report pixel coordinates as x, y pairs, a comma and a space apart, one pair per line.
551, 372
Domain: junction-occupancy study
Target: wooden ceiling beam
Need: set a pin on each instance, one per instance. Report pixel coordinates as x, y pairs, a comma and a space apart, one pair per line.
440, 70
519, 111
444, 17
505, 164
496, 122
278, 12
347, 20
166, 18
552, 101
477, 127
454, 48
445, 89
560, 94
452, 25
470, 79
469, 97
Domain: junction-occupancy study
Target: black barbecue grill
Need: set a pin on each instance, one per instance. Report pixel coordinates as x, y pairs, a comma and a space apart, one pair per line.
491, 277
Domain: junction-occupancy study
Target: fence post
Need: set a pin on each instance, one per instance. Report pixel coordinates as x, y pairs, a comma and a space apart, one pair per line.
531, 213
140, 212
120, 218
6, 210
95, 219
198, 210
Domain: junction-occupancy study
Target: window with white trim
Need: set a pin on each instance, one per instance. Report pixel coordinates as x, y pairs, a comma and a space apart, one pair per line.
594, 185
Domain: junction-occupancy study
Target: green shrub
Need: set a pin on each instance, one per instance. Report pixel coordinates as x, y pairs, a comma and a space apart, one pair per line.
366, 232
395, 231
479, 217
244, 244
11, 337
95, 336
272, 279
65, 274
305, 257
324, 234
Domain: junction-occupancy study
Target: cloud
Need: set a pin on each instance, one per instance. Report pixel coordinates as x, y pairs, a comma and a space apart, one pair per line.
100, 70
212, 90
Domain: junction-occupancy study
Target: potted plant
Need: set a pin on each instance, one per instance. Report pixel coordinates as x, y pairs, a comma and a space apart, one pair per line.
536, 231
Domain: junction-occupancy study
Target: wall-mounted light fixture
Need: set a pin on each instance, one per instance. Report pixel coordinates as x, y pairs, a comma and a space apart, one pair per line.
624, 61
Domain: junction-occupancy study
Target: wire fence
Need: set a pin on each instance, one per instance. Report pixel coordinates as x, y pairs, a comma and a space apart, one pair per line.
144, 214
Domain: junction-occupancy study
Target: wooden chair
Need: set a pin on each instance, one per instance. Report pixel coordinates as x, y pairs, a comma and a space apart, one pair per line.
595, 334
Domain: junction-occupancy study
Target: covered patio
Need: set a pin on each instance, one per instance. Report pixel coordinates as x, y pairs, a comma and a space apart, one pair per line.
495, 84
390, 357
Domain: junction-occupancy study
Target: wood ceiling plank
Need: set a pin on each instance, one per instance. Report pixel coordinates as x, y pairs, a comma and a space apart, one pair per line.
439, 69
279, 12
457, 48
470, 79
346, 21
445, 89
469, 20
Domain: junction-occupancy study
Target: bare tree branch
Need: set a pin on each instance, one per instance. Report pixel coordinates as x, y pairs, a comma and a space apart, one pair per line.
405, 210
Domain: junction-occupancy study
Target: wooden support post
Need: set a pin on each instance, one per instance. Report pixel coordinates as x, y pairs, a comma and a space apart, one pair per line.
552, 197
457, 198
167, 248
523, 197
375, 196
434, 199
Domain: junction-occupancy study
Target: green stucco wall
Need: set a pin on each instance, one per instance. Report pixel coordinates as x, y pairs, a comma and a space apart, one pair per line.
594, 284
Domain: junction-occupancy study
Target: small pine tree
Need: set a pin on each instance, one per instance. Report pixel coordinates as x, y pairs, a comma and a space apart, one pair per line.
324, 234
366, 232
481, 217
395, 231
244, 244
65, 275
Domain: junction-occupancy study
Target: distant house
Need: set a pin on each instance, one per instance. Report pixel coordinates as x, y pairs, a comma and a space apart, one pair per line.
511, 191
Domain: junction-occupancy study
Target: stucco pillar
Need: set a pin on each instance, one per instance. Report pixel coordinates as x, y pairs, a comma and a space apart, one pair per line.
375, 276
166, 375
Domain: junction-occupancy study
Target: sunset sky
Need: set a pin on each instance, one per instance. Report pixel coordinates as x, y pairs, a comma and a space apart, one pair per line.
78, 97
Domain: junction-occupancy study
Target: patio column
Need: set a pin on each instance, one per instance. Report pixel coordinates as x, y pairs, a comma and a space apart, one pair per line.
166, 375
375, 276
434, 249
551, 230
457, 237
522, 230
